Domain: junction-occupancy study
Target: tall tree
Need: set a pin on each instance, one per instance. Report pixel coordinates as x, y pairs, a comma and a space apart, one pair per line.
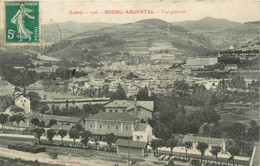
3, 119
35, 121
35, 100
17, 118
38, 133
215, 150
154, 146
202, 147
85, 135
50, 134
62, 133
171, 143
74, 134
234, 151
143, 94
188, 145
110, 138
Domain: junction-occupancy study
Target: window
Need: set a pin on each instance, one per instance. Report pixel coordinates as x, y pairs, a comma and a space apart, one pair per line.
116, 111
23, 104
24, 100
117, 127
126, 127
91, 125
108, 126
100, 126
110, 110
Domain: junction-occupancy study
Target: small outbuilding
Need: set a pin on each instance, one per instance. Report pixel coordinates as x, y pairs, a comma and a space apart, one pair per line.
132, 149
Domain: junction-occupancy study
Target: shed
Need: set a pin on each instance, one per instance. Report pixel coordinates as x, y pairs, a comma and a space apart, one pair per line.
132, 149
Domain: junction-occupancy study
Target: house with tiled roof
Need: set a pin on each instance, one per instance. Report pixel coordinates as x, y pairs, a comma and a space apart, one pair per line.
143, 132
139, 109
123, 125
210, 141
100, 124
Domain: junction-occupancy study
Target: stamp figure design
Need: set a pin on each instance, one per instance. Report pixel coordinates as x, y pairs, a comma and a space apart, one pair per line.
22, 22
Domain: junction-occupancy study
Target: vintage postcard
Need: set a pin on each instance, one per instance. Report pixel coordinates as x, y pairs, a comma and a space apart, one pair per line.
129, 82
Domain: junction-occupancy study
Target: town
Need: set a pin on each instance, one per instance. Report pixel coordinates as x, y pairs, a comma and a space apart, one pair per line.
130, 106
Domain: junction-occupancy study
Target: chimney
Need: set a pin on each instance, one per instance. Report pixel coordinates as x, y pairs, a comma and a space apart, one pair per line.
135, 108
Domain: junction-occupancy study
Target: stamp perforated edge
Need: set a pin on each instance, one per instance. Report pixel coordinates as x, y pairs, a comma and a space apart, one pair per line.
4, 25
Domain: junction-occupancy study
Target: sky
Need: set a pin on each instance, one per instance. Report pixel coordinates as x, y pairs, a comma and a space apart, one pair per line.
58, 10
239, 11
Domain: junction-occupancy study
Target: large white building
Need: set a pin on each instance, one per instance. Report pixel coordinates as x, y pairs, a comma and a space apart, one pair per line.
23, 103
201, 62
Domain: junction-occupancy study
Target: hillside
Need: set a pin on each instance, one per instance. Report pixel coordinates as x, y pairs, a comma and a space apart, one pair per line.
53, 32
146, 37
221, 32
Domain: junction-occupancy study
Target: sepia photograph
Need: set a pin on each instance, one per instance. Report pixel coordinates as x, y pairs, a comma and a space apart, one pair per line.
129, 82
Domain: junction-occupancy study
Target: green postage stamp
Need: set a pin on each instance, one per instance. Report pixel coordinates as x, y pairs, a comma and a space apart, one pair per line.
22, 22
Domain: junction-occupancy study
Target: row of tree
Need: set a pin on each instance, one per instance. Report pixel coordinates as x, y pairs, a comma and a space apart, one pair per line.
76, 132
201, 146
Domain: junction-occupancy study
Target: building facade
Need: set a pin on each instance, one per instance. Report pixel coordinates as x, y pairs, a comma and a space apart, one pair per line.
23, 103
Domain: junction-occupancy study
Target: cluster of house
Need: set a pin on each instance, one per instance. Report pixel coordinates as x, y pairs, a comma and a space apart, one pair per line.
126, 119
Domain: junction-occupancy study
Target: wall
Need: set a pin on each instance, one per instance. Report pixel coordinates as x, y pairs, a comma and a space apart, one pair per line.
142, 113
121, 126
134, 152
25, 104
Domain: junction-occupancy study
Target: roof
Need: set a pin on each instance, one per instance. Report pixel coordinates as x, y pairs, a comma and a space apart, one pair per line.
145, 104
215, 141
130, 104
111, 116
20, 97
119, 103
130, 143
141, 127
62, 118
47, 118
58, 127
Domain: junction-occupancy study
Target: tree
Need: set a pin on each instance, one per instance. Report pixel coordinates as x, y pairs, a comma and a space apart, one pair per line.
202, 146
171, 143
215, 150
119, 94
110, 138
17, 118
78, 127
74, 134
41, 124
143, 94
62, 133
35, 121
234, 151
35, 100
3, 119
50, 134
44, 108
38, 133
52, 122
85, 135
188, 145
16, 109
154, 145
